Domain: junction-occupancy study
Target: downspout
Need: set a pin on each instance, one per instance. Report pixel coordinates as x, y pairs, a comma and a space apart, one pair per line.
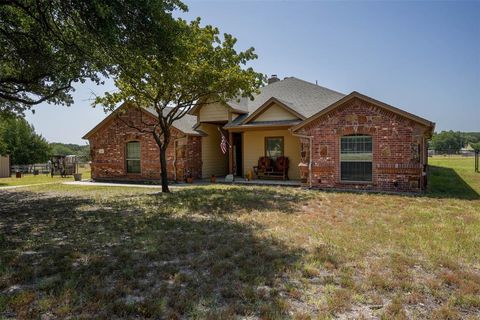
174, 160
310, 141
175, 157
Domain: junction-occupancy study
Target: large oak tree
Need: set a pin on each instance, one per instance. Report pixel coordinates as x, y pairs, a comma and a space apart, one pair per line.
47, 45
206, 69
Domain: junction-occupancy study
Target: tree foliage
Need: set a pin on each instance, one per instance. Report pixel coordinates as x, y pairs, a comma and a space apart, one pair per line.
206, 68
64, 149
453, 141
473, 138
45, 46
19, 140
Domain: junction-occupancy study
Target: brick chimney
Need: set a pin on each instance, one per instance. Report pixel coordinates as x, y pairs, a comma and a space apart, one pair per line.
273, 79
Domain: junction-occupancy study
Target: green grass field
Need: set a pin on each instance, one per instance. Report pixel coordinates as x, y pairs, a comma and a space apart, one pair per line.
454, 176
226, 252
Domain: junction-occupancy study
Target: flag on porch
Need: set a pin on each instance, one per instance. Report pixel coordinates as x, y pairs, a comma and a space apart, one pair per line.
223, 144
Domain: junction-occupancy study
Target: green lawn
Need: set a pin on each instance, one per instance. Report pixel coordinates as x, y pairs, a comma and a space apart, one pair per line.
454, 176
225, 252
29, 179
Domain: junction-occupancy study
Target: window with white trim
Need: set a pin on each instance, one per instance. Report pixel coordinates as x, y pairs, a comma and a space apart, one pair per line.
356, 158
133, 157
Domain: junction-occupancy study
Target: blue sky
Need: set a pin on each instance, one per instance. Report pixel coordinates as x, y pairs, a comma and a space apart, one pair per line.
423, 57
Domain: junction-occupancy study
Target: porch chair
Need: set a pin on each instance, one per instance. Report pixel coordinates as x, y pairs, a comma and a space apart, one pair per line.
266, 170
264, 166
281, 167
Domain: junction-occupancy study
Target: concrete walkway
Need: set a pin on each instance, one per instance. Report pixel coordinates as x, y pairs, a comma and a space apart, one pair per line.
27, 185
238, 181
89, 183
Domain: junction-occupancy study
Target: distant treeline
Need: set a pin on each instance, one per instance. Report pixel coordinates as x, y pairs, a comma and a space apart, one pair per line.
453, 141
19, 140
58, 148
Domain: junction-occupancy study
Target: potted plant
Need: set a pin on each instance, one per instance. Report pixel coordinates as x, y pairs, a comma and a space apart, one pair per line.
303, 167
213, 179
189, 177
77, 176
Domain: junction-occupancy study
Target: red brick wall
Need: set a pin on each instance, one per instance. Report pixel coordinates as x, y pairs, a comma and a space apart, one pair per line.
395, 165
108, 145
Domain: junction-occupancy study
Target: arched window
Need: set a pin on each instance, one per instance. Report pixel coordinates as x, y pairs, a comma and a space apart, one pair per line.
133, 157
356, 158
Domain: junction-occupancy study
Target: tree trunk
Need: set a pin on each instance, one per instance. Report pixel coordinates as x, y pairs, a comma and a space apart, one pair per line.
163, 166
163, 145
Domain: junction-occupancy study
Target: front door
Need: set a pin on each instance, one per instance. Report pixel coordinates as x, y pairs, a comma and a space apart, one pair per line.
237, 153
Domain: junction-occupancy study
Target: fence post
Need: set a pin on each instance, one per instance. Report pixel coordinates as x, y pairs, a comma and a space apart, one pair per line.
476, 160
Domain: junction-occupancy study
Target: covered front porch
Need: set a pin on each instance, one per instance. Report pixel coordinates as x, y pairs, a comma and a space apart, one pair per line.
249, 145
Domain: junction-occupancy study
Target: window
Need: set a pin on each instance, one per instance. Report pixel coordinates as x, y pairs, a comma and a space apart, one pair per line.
274, 147
356, 158
133, 157
415, 151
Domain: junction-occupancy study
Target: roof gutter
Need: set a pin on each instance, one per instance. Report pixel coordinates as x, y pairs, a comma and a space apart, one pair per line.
310, 142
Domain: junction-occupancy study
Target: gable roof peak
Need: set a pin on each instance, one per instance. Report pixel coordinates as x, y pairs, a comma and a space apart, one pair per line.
185, 124
356, 94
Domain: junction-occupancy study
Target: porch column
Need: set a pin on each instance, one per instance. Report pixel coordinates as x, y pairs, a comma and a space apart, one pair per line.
230, 153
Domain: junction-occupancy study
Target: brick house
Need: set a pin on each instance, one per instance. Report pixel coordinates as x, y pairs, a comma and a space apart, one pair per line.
318, 136
119, 151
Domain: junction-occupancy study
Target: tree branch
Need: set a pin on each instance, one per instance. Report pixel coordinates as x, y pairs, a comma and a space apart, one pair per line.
35, 102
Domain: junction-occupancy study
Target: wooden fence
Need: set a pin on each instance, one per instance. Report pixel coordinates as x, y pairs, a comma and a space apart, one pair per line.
30, 168
4, 166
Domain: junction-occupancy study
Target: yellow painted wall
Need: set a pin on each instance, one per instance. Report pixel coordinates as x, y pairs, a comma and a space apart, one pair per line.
275, 112
4, 167
213, 160
254, 148
213, 112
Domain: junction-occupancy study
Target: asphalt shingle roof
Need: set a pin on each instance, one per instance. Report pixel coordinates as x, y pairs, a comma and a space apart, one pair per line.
304, 97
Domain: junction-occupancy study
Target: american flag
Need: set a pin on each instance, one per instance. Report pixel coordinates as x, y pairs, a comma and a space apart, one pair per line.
223, 144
